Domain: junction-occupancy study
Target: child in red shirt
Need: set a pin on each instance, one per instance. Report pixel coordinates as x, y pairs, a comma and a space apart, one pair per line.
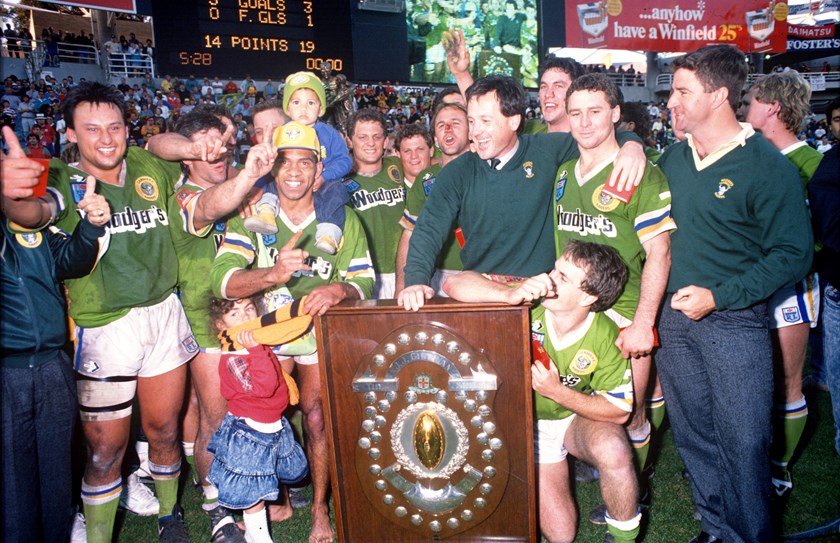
254, 447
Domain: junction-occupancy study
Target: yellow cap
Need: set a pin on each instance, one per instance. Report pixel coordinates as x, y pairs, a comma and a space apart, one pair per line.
294, 135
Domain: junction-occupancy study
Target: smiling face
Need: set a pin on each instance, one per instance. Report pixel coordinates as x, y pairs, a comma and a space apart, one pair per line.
415, 155
567, 279
689, 102
295, 172
100, 133
591, 118
368, 143
553, 85
492, 133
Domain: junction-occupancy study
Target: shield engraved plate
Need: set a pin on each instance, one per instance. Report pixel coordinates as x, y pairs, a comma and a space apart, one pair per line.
429, 454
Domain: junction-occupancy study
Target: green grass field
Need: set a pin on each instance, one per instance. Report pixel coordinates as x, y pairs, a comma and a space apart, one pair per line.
815, 499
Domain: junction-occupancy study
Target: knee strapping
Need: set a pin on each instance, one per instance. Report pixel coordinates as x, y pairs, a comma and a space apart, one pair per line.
105, 398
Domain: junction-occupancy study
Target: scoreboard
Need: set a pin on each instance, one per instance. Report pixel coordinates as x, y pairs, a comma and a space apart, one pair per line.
263, 38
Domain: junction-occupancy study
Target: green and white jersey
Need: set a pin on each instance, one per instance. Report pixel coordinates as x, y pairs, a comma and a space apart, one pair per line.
450, 255
588, 362
196, 250
379, 202
582, 211
806, 159
139, 268
241, 249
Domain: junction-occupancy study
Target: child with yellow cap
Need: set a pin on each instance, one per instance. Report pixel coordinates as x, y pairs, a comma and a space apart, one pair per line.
304, 101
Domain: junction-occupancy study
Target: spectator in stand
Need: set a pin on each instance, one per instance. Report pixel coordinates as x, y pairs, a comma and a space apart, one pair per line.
112, 48
231, 87
27, 112
35, 149
218, 86
824, 145
269, 90
149, 50
12, 41
192, 86
206, 88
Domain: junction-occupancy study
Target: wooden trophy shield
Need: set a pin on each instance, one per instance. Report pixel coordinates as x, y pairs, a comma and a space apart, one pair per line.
429, 417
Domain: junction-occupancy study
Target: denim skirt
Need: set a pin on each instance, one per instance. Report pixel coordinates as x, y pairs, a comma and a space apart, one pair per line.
249, 466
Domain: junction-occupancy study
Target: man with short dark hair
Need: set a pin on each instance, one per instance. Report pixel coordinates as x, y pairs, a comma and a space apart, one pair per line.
739, 241
131, 339
500, 195
451, 136
415, 148
377, 194
583, 390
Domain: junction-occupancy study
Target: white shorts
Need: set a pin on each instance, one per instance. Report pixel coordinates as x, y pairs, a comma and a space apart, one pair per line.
384, 285
146, 342
307, 359
550, 438
797, 304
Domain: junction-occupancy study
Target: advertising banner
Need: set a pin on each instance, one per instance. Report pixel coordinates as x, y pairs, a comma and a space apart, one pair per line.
667, 26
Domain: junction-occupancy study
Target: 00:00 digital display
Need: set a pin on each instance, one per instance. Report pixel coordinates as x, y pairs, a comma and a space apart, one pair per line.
263, 38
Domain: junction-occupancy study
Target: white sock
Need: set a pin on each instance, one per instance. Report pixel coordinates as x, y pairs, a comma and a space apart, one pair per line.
256, 527
142, 448
211, 496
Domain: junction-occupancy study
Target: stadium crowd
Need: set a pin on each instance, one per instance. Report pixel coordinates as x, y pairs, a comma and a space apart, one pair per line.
218, 190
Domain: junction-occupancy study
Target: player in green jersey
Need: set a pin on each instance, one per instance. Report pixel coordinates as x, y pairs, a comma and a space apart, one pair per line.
132, 332
776, 106
377, 194
197, 237
415, 148
638, 230
451, 137
248, 263
584, 395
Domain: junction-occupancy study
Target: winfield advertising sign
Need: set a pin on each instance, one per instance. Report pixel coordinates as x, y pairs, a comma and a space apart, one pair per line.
664, 25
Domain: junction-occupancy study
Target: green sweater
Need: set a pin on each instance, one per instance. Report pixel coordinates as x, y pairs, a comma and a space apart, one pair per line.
743, 229
506, 215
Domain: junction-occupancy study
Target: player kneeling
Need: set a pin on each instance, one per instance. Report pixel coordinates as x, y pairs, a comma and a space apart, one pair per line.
584, 391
